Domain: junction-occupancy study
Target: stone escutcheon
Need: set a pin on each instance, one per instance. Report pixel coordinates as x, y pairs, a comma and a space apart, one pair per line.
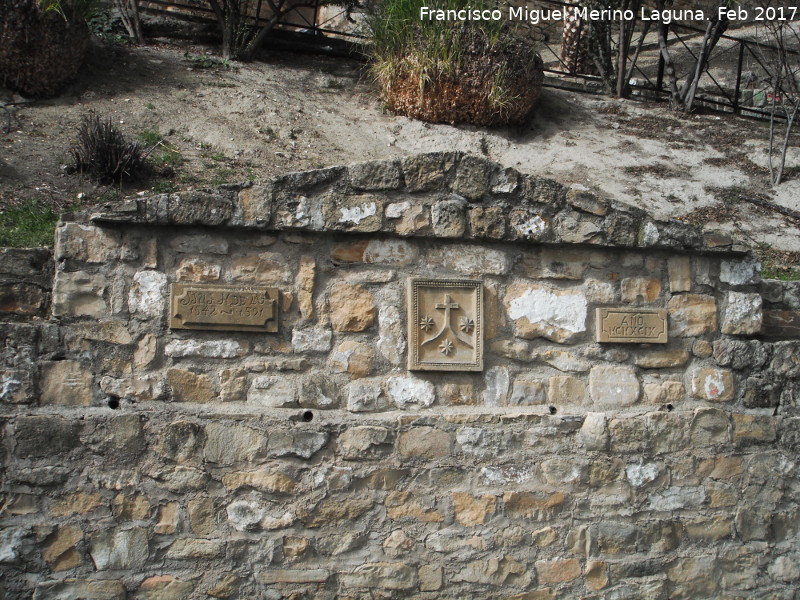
632, 325
223, 307
445, 325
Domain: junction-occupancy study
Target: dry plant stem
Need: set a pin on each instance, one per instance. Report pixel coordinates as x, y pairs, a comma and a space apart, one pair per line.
129, 13
785, 146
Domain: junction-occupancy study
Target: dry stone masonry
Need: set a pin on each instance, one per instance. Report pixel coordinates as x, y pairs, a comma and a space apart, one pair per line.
424, 378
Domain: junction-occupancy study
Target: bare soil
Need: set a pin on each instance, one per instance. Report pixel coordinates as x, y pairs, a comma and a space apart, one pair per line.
287, 112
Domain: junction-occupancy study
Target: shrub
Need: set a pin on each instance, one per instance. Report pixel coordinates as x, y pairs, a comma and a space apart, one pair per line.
477, 72
103, 152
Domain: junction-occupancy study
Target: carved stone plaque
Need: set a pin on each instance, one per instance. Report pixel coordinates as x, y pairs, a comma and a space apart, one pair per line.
445, 325
223, 307
632, 325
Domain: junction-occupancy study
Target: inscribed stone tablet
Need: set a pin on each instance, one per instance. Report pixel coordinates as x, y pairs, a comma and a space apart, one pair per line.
445, 325
223, 307
632, 325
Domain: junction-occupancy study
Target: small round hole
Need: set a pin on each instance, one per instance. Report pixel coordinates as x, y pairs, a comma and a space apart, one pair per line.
308, 416
669, 407
113, 403
553, 410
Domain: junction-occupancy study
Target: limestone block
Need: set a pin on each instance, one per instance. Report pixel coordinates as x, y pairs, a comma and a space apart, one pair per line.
80, 589
471, 259
573, 228
381, 576
692, 315
366, 396
65, 382
448, 218
22, 299
740, 271
505, 181
392, 339
558, 571
527, 391
305, 287
424, 443
402, 505
713, 384
743, 314
679, 269
167, 519
147, 297
582, 199
178, 441
709, 427
702, 348
497, 386
640, 290
77, 503
565, 361
229, 444
528, 225
410, 219
352, 308
664, 392
119, 548
315, 339
298, 444
320, 390
274, 391
472, 177
60, 550
552, 263
410, 392
600, 292
614, 385
487, 222
541, 311
87, 243
80, 294
471, 510
188, 386
226, 588
505, 571
164, 587
431, 578
564, 389
754, 429
194, 549
244, 515
375, 175
663, 359
197, 269
266, 268
351, 357
38, 436
256, 204
594, 432
358, 213
199, 243
398, 253
183, 479
535, 506
266, 481
365, 443
131, 508
205, 349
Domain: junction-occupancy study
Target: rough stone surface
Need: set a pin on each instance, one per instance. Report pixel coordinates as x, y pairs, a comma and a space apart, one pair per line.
540, 311
352, 308
613, 386
742, 314
692, 315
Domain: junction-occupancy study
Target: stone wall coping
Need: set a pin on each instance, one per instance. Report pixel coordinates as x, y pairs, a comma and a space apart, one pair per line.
444, 195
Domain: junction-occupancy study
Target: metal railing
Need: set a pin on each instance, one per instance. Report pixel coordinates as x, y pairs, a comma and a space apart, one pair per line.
748, 92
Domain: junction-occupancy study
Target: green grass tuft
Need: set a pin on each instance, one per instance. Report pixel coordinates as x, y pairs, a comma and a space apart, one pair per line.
28, 224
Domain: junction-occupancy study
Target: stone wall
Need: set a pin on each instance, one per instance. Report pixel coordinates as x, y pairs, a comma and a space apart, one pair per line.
143, 461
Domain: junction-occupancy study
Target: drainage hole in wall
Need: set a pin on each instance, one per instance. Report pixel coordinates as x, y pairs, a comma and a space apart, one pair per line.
669, 407
553, 410
113, 403
308, 416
